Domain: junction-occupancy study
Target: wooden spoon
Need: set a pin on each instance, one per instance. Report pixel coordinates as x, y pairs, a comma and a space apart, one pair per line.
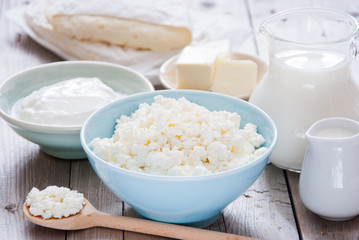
90, 217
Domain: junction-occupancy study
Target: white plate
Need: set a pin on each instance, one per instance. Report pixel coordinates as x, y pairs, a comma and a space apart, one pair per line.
167, 73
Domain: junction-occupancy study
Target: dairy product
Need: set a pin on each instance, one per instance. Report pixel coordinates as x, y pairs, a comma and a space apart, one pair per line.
234, 77
88, 28
300, 88
179, 138
334, 133
195, 66
54, 202
66, 103
159, 26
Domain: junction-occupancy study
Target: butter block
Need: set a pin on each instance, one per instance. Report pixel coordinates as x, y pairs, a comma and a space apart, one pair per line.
195, 65
234, 77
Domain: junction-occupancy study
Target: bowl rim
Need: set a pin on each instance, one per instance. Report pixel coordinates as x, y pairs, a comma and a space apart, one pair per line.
147, 176
61, 129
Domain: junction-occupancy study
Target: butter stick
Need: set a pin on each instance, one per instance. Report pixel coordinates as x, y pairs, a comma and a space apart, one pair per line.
195, 66
234, 77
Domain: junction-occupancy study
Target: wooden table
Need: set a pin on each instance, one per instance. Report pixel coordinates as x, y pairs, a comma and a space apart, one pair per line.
270, 209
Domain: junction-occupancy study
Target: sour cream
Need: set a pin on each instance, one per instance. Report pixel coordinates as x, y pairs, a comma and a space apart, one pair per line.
68, 102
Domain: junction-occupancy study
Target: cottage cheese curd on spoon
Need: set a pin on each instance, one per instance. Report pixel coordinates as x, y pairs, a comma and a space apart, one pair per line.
66, 103
54, 202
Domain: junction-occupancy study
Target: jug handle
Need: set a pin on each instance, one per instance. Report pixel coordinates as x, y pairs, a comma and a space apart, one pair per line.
355, 45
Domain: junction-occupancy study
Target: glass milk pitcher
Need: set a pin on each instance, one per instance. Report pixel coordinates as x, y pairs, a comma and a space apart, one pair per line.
309, 76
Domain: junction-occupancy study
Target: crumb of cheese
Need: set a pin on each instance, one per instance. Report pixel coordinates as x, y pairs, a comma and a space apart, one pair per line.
54, 202
179, 138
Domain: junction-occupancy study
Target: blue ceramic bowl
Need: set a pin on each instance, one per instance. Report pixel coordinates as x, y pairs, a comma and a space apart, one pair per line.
196, 201
62, 141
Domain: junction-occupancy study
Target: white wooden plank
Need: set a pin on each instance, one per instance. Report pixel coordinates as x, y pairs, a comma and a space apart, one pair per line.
236, 11
23, 166
85, 180
17, 50
264, 211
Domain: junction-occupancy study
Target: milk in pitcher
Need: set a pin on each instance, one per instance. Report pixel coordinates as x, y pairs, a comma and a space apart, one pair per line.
309, 76
303, 87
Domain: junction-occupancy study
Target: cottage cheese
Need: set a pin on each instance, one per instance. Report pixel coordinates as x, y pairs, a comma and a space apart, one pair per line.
66, 103
54, 202
179, 138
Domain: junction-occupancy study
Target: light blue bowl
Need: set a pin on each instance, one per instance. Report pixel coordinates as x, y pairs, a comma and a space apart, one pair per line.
62, 141
196, 201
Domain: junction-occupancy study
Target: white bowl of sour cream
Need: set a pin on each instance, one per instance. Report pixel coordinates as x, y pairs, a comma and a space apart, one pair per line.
49, 103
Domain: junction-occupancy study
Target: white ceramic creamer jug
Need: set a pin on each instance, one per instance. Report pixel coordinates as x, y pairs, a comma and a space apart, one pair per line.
309, 76
329, 180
